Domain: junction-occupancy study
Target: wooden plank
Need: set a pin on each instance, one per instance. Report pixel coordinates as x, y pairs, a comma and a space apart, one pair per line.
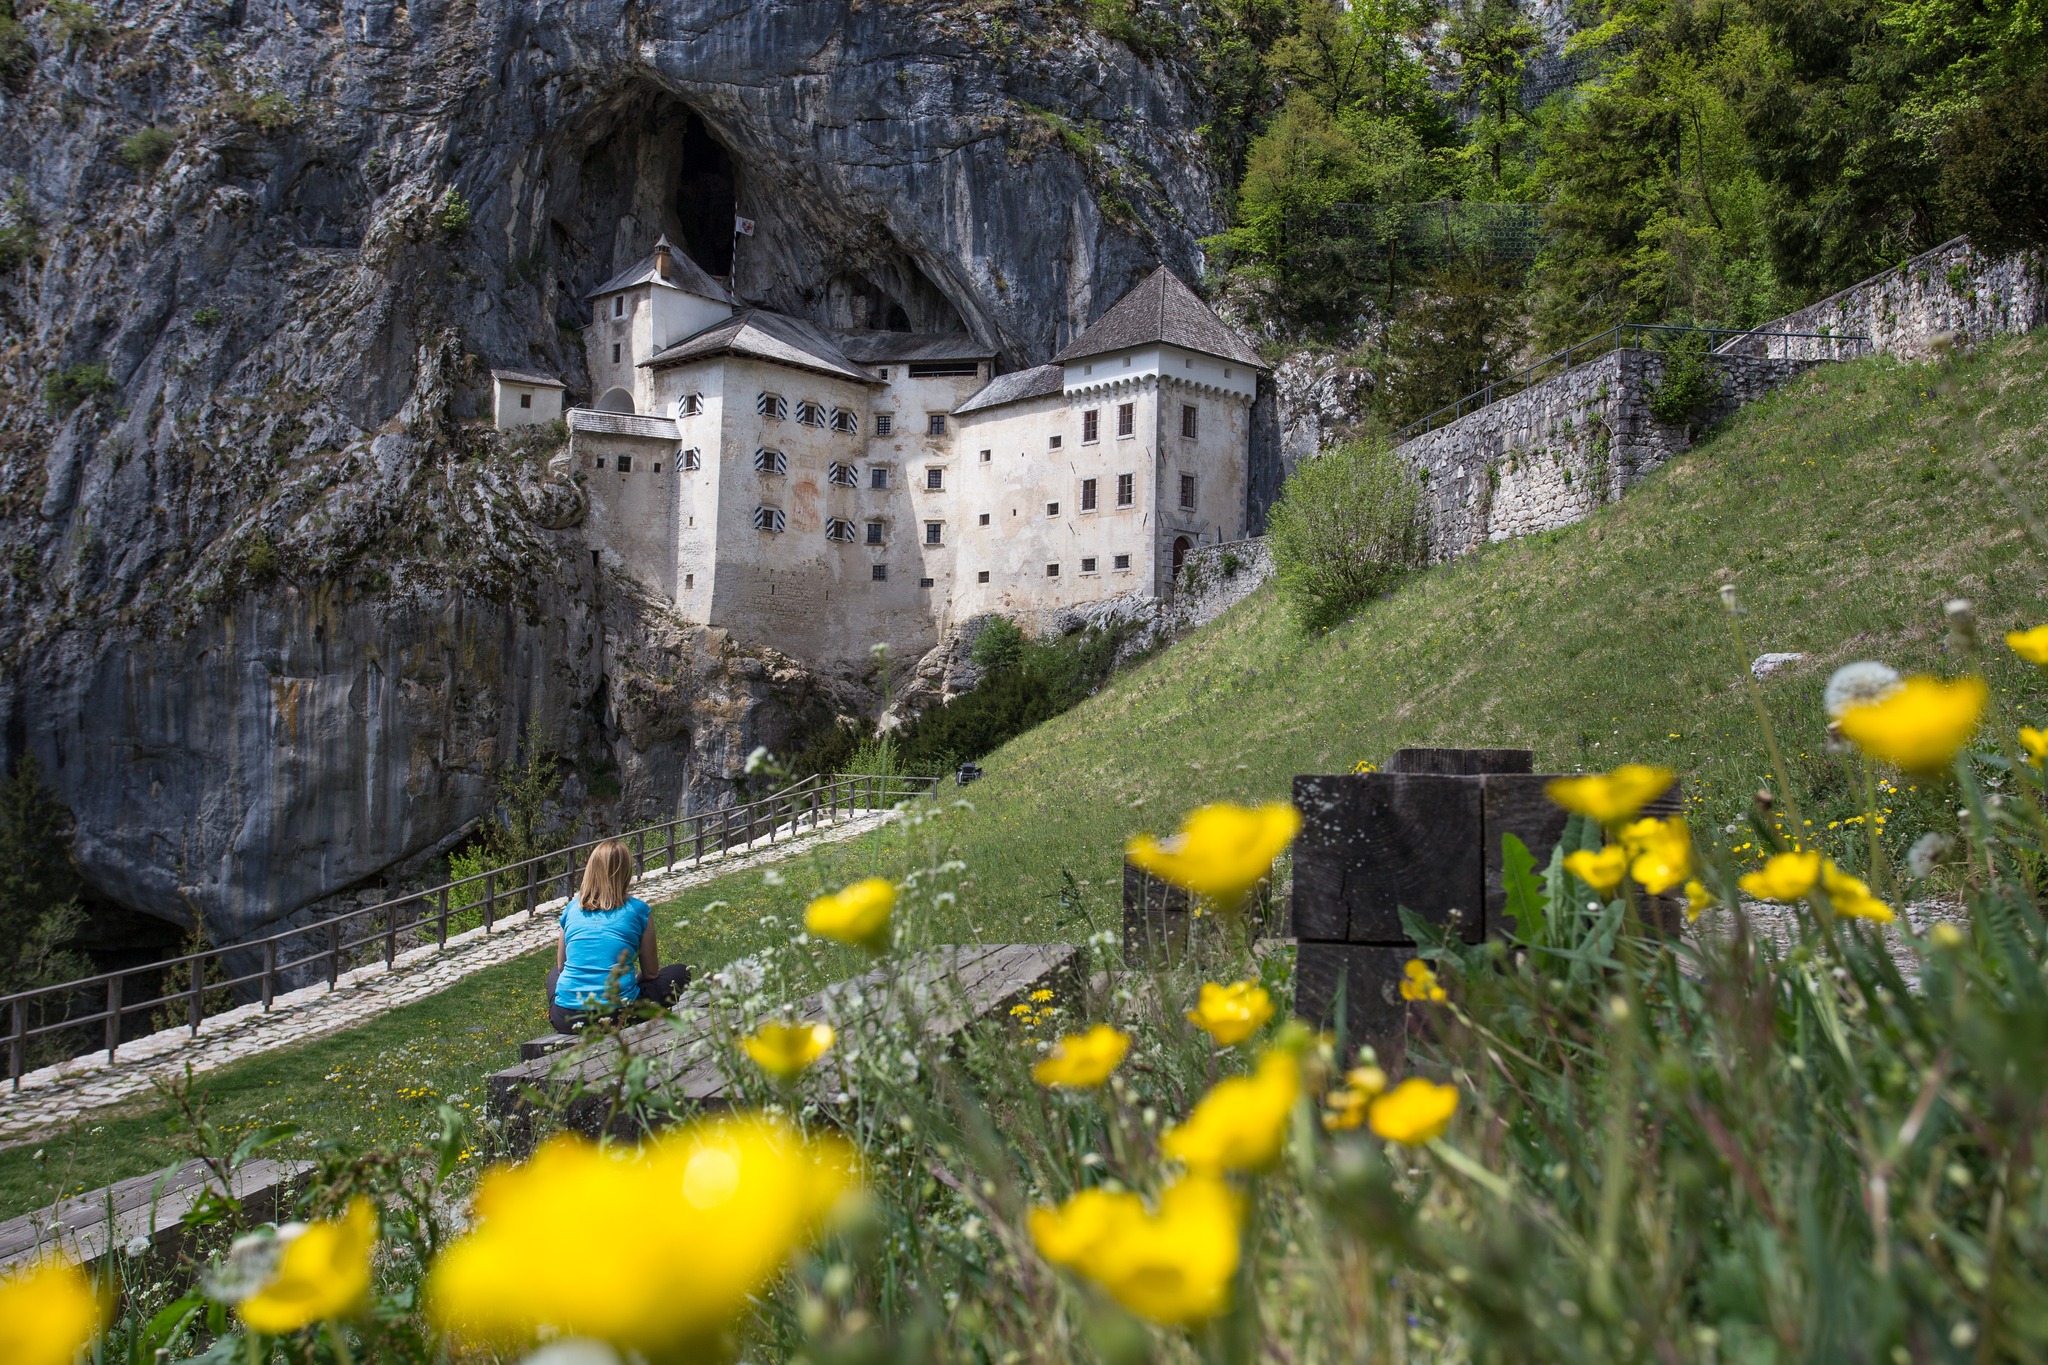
1373, 844
1355, 990
1462, 762
93, 1225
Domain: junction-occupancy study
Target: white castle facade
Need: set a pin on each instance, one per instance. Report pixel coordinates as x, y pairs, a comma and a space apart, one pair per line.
822, 492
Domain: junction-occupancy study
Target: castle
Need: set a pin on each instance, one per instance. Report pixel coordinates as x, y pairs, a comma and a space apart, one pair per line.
827, 491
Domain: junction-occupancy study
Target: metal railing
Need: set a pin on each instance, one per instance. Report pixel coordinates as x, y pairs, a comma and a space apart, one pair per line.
499, 892
1624, 336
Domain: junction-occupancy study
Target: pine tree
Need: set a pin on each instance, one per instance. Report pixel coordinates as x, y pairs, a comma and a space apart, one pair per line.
39, 885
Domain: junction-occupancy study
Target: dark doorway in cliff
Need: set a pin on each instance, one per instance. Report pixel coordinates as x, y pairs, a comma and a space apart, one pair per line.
706, 195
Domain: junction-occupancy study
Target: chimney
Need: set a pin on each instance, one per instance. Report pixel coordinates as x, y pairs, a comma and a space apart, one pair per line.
661, 260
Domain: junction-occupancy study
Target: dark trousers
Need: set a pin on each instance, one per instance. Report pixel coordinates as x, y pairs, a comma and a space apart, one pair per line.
664, 988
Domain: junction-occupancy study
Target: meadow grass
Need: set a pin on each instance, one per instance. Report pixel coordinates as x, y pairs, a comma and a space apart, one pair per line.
1845, 508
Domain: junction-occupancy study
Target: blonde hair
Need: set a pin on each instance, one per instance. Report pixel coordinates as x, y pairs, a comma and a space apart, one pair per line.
606, 876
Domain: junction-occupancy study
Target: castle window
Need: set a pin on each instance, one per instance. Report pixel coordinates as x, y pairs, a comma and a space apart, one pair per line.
1052, 509
879, 573
946, 369
1087, 495
874, 533
625, 464
1189, 418
1088, 565
935, 479
1052, 571
618, 310
845, 419
615, 353
882, 374
1187, 491
835, 529
768, 519
1125, 491
810, 414
985, 456
771, 405
1120, 562
878, 477
1052, 442
935, 533
924, 582
690, 405
689, 581
935, 424
984, 518
771, 461
1091, 427
657, 466
884, 422
525, 400
1126, 419
981, 577
845, 475
693, 458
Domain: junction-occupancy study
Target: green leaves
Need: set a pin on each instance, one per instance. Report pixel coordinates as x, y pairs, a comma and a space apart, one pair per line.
1527, 898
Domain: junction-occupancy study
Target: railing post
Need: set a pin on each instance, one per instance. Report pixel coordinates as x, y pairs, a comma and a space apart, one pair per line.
269, 973
193, 1001
390, 936
490, 900
17, 1046
113, 1029
532, 896
443, 930
333, 952
697, 822
671, 845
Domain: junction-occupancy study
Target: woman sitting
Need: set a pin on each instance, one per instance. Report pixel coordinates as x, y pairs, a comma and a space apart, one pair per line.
603, 930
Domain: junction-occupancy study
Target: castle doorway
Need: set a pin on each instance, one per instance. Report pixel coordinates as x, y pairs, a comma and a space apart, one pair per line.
1181, 546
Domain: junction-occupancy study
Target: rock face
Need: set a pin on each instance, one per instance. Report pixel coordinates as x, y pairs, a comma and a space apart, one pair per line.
273, 606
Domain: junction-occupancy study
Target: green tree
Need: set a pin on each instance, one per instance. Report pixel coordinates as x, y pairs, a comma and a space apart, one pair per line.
1491, 40
1994, 173
1347, 526
39, 884
1461, 330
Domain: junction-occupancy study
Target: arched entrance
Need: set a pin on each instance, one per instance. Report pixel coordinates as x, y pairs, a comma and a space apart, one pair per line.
615, 400
1181, 546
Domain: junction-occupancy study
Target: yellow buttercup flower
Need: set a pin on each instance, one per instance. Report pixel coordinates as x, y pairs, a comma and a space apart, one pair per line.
1414, 1112
1240, 1124
859, 914
718, 1208
2031, 645
1082, 1061
784, 1051
1346, 1105
1173, 1268
1946, 935
1659, 853
1783, 877
1602, 870
48, 1314
1418, 982
1230, 1014
1221, 851
1851, 896
1611, 798
1697, 898
323, 1271
1922, 725
2035, 742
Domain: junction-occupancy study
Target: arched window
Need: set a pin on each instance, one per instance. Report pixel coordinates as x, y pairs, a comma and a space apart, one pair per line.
615, 400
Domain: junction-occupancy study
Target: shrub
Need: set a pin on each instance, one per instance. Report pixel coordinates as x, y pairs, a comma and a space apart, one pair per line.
259, 559
74, 21
1347, 526
453, 215
67, 388
1000, 644
148, 148
208, 316
1690, 382
1029, 682
18, 237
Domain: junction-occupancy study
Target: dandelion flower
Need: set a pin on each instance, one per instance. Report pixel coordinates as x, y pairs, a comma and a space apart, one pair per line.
1418, 982
1611, 798
2031, 645
785, 1051
1230, 1014
1221, 851
1082, 1061
1660, 853
1414, 1112
1346, 1105
1240, 1124
1783, 877
2035, 742
859, 914
1859, 684
1602, 871
1697, 898
48, 1314
1173, 1268
1851, 896
1927, 852
321, 1271
1922, 725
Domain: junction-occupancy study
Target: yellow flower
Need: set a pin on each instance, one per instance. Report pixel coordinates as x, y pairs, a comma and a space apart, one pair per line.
323, 1271
1240, 1124
1946, 935
48, 1314
1173, 1268
1611, 798
1697, 898
1221, 850
1039, 997
1230, 1014
1922, 725
858, 915
2031, 645
1414, 1112
1602, 871
1082, 1061
1851, 896
1659, 852
2035, 742
1784, 877
784, 1051
717, 1209
1418, 982
1347, 1105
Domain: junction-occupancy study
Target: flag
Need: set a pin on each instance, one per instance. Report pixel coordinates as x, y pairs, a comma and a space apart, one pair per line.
742, 227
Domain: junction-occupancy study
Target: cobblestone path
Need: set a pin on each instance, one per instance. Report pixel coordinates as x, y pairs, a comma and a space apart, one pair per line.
49, 1099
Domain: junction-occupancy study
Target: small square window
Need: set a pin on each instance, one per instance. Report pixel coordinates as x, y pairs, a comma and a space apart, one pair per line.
1052, 509
878, 476
615, 353
924, 582
1187, 491
1126, 419
1190, 419
985, 456
845, 475
1120, 562
625, 464
844, 419
771, 461
874, 533
1088, 565
1125, 489
879, 573
771, 405
837, 529
1091, 426
1052, 571
885, 424
1127, 362
768, 519
883, 373
1052, 443
935, 533
935, 479
1087, 495
935, 424
810, 414
981, 577
984, 518
618, 310
689, 581
657, 466
693, 458
525, 400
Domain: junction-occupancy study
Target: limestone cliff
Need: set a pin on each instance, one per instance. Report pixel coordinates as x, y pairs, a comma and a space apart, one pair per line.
272, 603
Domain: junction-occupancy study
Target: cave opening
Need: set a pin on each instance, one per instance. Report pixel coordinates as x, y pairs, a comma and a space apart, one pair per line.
706, 197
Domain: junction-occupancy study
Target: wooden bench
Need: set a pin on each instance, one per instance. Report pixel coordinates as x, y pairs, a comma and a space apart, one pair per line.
953, 987
89, 1227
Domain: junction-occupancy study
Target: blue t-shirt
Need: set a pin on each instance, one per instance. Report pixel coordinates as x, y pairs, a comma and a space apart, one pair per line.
598, 941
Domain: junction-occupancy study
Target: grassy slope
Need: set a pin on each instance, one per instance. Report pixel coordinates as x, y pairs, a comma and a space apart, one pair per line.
1847, 508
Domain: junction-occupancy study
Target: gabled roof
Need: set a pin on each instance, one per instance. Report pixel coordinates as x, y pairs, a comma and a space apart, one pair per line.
765, 336
880, 348
546, 381
1036, 382
683, 273
1160, 309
